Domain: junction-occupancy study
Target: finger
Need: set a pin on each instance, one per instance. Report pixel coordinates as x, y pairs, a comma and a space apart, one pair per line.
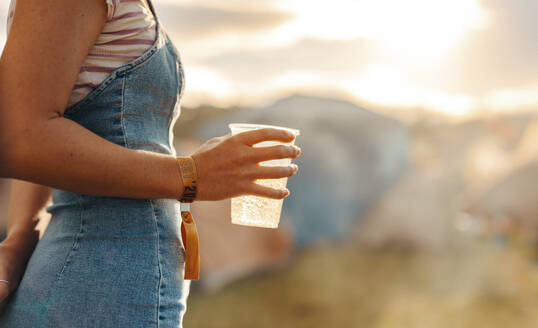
4, 291
259, 190
213, 140
2, 306
265, 134
261, 154
273, 172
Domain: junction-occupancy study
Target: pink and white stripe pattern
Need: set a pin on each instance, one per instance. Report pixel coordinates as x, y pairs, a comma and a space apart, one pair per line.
128, 32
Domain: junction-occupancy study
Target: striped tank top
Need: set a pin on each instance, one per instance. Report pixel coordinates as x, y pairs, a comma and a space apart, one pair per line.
128, 32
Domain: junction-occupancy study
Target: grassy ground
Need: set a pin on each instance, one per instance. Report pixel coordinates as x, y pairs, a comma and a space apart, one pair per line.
477, 284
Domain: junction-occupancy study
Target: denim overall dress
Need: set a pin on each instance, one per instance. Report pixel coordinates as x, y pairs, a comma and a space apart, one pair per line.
113, 261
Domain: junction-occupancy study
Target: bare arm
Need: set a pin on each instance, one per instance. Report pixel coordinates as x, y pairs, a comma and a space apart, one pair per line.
25, 202
38, 68
46, 47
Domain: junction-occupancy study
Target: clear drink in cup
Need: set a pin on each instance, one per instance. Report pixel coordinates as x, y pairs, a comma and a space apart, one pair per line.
254, 210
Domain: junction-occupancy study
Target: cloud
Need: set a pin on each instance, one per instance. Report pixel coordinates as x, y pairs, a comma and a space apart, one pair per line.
505, 55
319, 56
188, 23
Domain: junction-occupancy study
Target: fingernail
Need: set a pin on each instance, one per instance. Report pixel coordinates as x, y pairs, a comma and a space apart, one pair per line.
286, 192
295, 167
296, 149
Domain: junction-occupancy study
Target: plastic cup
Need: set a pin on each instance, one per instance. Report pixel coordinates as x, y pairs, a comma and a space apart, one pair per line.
258, 211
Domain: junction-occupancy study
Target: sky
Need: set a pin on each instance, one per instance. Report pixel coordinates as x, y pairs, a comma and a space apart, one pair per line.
458, 57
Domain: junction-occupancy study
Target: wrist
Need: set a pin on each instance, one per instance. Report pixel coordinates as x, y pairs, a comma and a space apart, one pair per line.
188, 177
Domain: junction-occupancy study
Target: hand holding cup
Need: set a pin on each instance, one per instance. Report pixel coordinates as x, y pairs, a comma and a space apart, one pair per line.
228, 166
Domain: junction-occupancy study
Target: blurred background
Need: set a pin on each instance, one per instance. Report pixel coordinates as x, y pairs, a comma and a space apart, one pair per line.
416, 202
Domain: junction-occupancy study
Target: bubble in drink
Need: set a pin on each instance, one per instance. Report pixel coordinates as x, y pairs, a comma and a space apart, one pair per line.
254, 210
259, 211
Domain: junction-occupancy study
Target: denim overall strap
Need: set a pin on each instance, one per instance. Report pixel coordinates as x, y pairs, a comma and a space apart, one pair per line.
131, 92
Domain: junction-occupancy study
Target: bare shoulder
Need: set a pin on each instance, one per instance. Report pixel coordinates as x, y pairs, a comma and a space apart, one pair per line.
46, 46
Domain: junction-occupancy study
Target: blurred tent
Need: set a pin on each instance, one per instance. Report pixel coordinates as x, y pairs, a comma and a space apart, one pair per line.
513, 196
415, 214
472, 176
349, 157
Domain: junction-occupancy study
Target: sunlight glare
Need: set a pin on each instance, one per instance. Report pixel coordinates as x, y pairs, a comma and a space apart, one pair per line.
387, 86
505, 99
425, 29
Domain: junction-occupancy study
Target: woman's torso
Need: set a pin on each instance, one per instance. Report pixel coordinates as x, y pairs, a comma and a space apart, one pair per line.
111, 261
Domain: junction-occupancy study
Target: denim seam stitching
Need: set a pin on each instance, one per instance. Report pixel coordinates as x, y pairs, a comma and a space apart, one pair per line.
122, 110
158, 262
75, 242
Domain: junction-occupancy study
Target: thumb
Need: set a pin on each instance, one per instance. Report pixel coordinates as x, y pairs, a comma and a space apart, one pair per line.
4, 291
